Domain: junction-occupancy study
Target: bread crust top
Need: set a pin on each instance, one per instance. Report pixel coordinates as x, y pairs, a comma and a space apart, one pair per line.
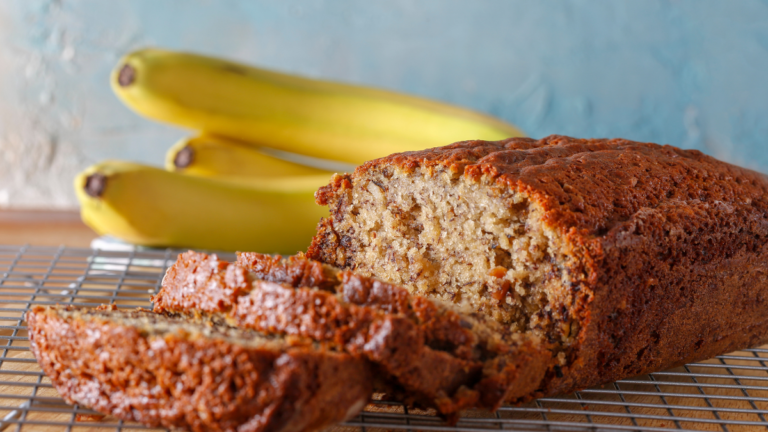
558, 173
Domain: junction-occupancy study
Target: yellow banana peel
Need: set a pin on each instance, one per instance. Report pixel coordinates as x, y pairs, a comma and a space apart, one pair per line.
153, 207
322, 119
225, 159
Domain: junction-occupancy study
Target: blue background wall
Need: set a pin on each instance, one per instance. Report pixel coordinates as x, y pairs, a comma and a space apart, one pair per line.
690, 73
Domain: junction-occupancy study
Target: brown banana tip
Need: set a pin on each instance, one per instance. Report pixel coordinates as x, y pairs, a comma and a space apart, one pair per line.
95, 184
126, 76
184, 157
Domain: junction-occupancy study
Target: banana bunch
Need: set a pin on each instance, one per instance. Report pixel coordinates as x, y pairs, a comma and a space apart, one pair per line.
266, 141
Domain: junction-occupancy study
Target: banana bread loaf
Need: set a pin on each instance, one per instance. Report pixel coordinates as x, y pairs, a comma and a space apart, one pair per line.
428, 354
626, 257
164, 371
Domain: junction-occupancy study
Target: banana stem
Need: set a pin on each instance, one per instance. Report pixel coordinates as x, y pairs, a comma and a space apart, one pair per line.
95, 184
184, 157
126, 76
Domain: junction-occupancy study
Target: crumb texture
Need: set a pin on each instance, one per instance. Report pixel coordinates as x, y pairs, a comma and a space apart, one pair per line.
455, 240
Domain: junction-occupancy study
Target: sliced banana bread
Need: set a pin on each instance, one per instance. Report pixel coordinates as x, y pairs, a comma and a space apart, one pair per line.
627, 257
429, 354
461, 332
176, 373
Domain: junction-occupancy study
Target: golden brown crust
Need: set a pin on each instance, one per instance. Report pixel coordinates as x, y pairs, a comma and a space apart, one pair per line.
668, 255
702, 291
427, 353
221, 282
296, 271
190, 381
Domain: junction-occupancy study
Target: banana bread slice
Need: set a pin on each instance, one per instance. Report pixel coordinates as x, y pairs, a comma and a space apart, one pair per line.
176, 373
627, 257
429, 354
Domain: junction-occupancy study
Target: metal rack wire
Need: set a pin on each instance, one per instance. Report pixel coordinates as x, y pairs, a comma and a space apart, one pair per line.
726, 393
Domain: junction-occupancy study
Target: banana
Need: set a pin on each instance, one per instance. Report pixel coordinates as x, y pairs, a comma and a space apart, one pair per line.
153, 207
317, 118
224, 159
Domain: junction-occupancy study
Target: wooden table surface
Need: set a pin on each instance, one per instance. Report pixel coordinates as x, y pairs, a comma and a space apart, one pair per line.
44, 228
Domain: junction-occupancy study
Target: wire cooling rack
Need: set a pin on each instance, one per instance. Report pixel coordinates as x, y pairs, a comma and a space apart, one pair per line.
727, 393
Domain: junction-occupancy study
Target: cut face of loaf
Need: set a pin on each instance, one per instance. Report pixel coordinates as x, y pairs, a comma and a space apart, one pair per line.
626, 257
175, 373
455, 239
428, 353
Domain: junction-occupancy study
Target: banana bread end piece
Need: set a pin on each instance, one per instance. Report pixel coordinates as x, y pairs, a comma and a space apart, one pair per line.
169, 372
